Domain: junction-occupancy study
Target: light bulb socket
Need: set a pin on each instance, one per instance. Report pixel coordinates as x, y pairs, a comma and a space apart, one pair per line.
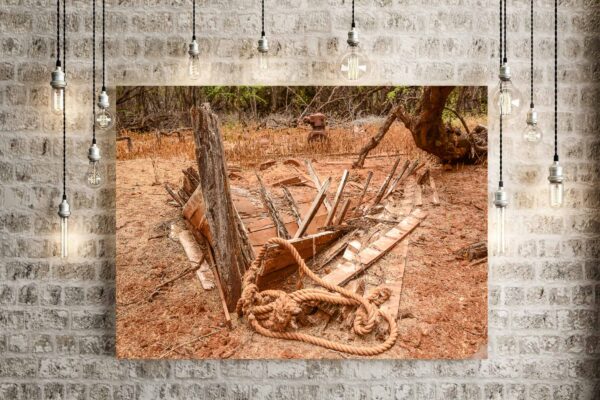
58, 78
193, 49
352, 38
64, 210
263, 45
504, 73
94, 153
555, 173
500, 198
103, 101
532, 117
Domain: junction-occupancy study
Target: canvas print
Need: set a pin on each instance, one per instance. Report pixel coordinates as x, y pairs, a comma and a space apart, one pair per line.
307, 222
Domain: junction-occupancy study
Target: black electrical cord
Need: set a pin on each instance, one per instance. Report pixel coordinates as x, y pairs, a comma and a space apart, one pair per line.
555, 80
103, 45
505, 59
193, 19
531, 44
262, 31
64, 62
353, 23
93, 71
64, 101
500, 47
58, 33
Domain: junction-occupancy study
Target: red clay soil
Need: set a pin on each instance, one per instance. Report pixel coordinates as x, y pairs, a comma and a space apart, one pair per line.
443, 309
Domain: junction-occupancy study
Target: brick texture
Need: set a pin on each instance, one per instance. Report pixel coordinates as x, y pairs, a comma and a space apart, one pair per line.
57, 319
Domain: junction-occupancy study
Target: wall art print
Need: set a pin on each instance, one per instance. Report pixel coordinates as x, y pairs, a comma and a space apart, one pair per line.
306, 222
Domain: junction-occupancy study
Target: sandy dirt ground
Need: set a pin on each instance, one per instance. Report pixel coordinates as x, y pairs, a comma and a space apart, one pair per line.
443, 308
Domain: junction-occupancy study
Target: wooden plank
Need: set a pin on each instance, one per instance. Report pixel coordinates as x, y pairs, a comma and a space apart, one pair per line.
308, 246
337, 198
313, 209
392, 305
405, 174
394, 184
364, 190
291, 181
317, 181
292, 204
272, 210
435, 197
369, 255
343, 212
219, 210
194, 254
386, 182
418, 195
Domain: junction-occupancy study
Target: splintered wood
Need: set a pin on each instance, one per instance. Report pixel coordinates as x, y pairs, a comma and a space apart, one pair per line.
194, 254
374, 251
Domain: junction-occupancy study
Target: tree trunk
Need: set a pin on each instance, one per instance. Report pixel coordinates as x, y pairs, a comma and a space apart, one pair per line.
219, 209
429, 132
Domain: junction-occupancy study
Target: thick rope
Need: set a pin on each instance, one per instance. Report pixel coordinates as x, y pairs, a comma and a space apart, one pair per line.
271, 312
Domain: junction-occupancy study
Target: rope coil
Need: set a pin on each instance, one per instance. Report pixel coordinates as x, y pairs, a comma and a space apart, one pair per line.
271, 312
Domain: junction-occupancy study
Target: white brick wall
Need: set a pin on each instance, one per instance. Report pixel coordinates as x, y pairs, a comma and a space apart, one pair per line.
57, 320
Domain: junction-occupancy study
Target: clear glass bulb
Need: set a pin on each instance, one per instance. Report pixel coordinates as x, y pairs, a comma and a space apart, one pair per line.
556, 194
354, 65
104, 119
64, 237
500, 230
58, 99
93, 175
194, 67
532, 133
507, 100
263, 60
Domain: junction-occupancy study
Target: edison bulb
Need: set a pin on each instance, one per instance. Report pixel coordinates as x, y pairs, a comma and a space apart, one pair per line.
64, 211
93, 175
194, 67
556, 179
507, 100
104, 119
263, 53
58, 99
354, 65
532, 133
500, 202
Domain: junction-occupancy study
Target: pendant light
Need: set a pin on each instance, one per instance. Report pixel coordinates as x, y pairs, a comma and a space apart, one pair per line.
353, 64
58, 82
64, 210
193, 50
500, 195
263, 44
104, 119
93, 177
555, 176
532, 132
507, 99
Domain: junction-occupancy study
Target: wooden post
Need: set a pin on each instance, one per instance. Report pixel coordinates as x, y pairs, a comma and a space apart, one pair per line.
219, 209
317, 181
337, 198
312, 211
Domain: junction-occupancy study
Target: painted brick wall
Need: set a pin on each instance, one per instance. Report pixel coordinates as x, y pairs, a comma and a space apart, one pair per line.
57, 319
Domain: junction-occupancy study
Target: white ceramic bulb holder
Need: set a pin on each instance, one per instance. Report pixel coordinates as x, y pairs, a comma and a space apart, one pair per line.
193, 49
94, 153
58, 78
532, 117
504, 73
555, 173
263, 44
500, 198
64, 210
352, 38
103, 101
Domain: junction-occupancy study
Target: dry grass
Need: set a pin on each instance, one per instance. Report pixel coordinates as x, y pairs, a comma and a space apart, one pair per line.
250, 146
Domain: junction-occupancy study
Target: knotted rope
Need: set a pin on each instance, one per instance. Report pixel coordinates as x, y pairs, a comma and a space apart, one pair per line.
271, 312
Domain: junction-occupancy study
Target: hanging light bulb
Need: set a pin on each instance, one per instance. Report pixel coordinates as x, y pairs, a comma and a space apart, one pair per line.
93, 175
500, 202
58, 84
556, 178
104, 118
263, 53
507, 99
532, 133
194, 60
64, 211
353, 64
